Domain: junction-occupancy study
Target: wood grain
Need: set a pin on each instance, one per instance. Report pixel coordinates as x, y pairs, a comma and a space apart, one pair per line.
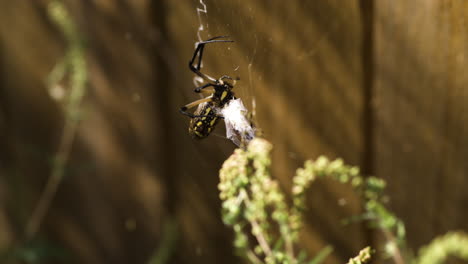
381, 84
421, 104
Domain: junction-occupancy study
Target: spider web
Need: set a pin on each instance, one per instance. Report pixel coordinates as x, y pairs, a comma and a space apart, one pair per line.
279, 47
237, 118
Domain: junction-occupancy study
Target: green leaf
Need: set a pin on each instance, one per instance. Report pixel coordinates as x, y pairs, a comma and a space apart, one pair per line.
320, 257
302, 256
278, 244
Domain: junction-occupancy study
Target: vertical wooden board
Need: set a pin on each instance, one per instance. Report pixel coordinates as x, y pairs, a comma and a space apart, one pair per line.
111, 203
204, 238
29, 120
421, 106
301, 62
122, 136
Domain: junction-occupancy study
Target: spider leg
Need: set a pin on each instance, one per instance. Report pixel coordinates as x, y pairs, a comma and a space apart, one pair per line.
193, 116
217, 37
202, 89
201, 46
196, 69
183, 109
229, 78
198, 53
197, 102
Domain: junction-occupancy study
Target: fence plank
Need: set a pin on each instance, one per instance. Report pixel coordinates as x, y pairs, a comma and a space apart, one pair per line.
421, 104
302, 64
110, 205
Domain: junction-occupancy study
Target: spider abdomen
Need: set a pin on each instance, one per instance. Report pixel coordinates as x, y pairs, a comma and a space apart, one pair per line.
206, 120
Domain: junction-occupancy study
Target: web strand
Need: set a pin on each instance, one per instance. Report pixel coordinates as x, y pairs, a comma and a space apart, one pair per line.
201, 27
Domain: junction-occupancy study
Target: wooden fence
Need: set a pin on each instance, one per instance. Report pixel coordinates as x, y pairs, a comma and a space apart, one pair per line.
381, 84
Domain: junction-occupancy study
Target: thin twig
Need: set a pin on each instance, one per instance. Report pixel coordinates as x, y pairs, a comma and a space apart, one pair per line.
252, 257
259, 236
54, 180
397, 256
289, 247
77, 67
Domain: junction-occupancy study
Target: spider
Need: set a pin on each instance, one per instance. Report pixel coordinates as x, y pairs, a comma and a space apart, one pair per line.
205, 117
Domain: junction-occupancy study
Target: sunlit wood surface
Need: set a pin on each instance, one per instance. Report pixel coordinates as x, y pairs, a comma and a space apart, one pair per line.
381, 84
421, 109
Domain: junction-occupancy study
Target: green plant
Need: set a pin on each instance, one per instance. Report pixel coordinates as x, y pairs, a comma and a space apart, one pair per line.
266, 226
73, 66
451, 244
254, 206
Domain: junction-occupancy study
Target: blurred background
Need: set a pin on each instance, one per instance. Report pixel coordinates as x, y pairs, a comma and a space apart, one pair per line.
96, 163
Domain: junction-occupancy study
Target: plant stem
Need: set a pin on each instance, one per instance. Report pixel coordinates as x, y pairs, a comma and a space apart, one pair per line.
258, 235
75, 58
252, 257
397, 256
289, 247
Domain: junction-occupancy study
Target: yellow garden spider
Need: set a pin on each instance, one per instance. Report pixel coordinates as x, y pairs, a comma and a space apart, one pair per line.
206, 116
